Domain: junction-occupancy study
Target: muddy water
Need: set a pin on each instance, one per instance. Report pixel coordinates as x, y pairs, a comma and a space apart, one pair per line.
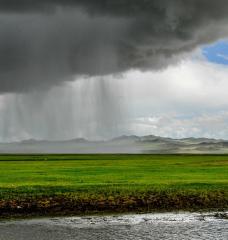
135, 227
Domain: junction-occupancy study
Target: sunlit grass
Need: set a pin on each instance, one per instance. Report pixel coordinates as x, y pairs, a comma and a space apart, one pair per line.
134, 171
184, 180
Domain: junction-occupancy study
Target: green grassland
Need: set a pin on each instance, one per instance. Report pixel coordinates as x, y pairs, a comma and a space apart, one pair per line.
86, 183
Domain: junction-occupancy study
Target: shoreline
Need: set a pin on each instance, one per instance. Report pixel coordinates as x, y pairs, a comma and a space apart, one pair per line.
75, 206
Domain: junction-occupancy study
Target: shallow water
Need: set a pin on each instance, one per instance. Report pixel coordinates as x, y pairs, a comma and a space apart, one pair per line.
136, 227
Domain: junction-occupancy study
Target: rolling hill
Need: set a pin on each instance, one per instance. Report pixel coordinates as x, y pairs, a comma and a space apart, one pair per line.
123, 144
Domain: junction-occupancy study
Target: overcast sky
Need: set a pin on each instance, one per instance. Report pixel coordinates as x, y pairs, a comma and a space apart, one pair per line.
100, 69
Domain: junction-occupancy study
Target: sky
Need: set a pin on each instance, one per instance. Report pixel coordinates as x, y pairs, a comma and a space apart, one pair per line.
217, 52
101, 69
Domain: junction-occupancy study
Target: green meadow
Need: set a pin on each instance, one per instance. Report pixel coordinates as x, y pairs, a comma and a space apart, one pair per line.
118, 182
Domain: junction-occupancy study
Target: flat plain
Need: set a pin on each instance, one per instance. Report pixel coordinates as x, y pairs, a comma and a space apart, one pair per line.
110, 182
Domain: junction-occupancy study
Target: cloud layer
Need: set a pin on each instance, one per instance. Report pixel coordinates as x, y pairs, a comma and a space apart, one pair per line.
185, 100
45, 43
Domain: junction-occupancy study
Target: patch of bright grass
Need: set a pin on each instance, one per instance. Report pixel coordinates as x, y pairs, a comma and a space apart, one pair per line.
171, 179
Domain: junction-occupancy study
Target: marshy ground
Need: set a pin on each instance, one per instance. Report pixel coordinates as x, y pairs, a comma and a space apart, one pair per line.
79, 184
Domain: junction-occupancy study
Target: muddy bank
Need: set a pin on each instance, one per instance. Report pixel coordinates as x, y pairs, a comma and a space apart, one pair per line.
66, 205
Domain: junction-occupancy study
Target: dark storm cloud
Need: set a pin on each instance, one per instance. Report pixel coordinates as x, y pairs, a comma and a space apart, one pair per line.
44, 43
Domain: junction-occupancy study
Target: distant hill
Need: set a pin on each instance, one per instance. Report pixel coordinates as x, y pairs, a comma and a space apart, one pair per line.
122, 144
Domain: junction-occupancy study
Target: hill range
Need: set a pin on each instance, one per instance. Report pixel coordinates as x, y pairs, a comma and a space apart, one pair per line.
124, 144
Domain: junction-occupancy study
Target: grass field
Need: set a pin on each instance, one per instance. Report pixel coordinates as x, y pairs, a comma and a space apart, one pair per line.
115, 182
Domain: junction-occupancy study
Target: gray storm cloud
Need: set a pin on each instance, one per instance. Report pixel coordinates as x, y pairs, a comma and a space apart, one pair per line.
45, 43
